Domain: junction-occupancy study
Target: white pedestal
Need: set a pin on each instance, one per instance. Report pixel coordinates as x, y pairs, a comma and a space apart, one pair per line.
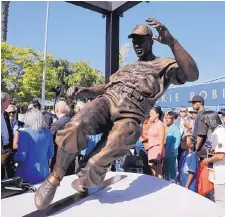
135, 196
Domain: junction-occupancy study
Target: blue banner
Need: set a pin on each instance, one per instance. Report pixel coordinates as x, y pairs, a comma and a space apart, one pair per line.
213, 93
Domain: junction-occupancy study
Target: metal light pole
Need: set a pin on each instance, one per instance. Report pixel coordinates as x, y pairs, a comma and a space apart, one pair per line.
45, 57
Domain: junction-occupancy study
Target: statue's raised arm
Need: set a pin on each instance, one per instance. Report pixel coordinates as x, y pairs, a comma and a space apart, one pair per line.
188, 70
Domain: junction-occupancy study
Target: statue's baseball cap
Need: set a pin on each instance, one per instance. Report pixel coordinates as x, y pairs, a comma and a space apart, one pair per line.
197, 98
141, 30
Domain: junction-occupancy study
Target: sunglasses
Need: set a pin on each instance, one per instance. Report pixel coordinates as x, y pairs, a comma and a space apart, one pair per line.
193, 102
183, 111
13, 113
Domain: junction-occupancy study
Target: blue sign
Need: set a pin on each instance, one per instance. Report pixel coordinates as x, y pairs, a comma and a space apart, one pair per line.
213, 93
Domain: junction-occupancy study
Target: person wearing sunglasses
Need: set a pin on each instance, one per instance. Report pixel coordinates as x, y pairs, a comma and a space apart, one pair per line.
192, 115
181, 122
183, 118
15, 124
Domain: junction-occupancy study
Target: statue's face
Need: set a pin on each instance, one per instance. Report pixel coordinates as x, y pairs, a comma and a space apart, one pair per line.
142, 45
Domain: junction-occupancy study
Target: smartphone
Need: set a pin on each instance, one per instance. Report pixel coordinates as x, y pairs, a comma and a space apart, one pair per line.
210, 166
210, 155
152, 161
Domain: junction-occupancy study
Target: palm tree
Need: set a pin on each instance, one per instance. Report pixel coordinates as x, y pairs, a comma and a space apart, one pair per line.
5, 12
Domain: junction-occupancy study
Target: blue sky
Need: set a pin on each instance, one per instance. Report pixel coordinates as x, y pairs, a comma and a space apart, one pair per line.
79, 34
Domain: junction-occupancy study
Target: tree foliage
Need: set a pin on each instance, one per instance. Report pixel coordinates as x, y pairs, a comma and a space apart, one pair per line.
84, 75
22, 73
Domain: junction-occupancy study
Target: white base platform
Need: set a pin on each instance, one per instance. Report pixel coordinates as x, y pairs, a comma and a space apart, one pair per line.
136, 195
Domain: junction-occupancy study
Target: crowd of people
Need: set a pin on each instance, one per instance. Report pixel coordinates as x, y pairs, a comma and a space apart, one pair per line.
176, 144
172, 145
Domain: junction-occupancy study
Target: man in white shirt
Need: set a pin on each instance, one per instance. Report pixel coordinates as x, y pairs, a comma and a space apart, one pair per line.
212, 121
181, 121
183, 118
192, 114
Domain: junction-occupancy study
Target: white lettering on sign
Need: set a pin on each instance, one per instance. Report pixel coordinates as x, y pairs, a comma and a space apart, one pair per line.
163, 98
191, 95
177, 97
214, 94
203, 94
173, 98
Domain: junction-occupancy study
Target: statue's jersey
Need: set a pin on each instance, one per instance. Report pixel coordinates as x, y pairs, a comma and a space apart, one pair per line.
148, 79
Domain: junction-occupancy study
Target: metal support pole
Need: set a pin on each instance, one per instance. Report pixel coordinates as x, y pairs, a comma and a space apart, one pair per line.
112, 44
45, 57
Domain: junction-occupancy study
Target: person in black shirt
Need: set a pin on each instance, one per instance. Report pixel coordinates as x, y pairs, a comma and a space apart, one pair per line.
199, 132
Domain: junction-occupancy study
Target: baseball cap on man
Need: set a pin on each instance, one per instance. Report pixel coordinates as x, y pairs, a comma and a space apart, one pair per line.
222, 112
141, 30
197, 98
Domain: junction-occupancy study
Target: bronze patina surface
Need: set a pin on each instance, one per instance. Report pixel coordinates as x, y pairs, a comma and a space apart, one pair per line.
119, 109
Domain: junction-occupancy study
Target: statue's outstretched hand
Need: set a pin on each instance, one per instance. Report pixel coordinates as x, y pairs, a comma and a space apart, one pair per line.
165, 36
77, 92
71, 91
82, 92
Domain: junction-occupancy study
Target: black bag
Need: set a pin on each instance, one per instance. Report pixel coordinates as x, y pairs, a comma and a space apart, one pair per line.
133, 161
15, 186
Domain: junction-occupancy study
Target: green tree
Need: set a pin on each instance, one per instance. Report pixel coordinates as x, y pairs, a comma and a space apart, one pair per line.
22, 73
84, 76
32, 80
63, 70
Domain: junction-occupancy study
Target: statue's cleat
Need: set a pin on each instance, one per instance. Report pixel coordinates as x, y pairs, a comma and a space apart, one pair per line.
78, 187
44, 195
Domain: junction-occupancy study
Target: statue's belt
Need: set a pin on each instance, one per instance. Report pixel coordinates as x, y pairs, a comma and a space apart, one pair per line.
131, 91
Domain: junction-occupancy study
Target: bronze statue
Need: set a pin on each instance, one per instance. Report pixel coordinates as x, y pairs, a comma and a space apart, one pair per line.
119, 109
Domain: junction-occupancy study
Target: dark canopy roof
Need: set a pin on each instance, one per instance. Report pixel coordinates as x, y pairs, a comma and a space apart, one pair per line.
104, 7
112, 11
